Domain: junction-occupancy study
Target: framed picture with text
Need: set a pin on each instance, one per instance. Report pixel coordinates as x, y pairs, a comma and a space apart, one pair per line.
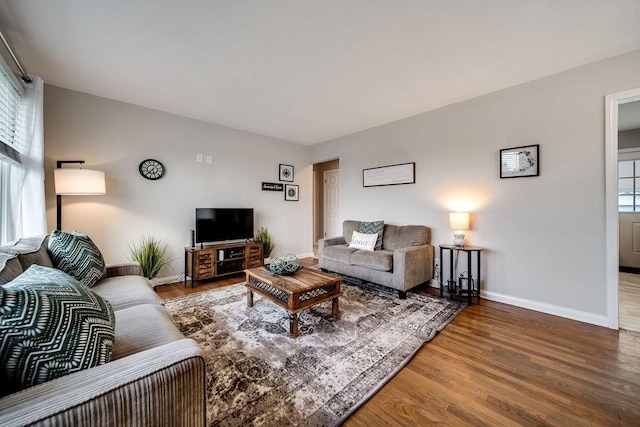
291, 192
520, 162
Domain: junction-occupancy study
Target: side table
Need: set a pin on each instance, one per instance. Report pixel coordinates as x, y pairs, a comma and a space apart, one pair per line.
471, 289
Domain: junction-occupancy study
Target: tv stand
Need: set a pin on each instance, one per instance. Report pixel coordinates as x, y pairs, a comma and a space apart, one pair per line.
209, 262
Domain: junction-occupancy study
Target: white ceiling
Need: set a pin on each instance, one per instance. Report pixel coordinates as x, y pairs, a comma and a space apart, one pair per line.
309, 71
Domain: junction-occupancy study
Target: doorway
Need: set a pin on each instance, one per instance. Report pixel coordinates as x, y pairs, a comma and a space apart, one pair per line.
612, 104
326, 206
629, 216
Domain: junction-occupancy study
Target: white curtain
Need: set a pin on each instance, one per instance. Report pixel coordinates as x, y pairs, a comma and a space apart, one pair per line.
27, 201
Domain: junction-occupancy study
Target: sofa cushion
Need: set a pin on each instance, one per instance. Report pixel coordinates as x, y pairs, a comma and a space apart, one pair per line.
50, 326
76, 254
338, 253
403, 236
30, 250
374, 227
141, 328
127, 291
377, 260
10, 267
363, 241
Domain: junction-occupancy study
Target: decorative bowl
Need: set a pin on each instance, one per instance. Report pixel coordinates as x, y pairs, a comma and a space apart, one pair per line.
285, 265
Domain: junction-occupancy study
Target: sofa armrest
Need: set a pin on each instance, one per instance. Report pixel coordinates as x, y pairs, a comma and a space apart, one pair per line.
164, 385
331, 241
412, 266
124, 269
325, 243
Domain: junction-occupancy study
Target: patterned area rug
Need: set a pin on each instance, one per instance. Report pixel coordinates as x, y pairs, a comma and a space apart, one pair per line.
257, 375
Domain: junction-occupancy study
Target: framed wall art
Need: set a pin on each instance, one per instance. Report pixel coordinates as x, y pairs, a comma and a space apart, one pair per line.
286, 173
520, 162
404, 173
291, 192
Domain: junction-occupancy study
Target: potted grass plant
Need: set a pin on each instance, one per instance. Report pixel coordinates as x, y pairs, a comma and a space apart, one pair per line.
151, 254
263, 236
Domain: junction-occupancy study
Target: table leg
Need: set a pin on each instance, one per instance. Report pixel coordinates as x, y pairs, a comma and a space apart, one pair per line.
452, 277
249, 298
293, 325
469, 285
335, 310
478, 278
440, 274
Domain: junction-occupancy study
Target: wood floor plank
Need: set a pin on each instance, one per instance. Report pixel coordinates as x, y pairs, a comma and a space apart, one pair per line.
497, 364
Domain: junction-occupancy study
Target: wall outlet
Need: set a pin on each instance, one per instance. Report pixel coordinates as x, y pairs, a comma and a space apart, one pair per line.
209, 159
199, 158
436, 266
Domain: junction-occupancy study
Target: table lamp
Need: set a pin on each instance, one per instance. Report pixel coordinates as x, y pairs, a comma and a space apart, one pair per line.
458, 221
77, 182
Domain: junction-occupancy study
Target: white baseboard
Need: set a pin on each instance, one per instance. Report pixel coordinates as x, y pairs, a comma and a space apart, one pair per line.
307, 255
581, 316
157, 281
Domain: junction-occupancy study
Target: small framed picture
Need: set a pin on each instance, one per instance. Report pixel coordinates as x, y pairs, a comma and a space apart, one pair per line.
286, 173
291, 192
520, 161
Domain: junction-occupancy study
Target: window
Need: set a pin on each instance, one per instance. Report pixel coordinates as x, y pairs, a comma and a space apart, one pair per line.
10, 149
629, 186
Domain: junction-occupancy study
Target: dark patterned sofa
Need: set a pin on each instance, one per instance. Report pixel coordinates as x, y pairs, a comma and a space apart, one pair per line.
155, 377
404, 261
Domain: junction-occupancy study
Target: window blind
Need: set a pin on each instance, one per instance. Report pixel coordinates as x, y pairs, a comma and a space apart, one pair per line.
9, 116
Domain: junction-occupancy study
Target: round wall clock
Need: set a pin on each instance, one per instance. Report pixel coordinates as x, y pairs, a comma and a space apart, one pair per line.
151, 169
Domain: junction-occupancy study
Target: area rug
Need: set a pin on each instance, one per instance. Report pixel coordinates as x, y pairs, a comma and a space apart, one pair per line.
257, 375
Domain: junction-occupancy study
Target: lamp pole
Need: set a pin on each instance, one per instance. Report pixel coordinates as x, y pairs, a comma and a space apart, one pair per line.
59, 164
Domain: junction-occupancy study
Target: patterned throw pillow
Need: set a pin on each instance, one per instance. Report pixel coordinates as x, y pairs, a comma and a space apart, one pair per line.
77, 255
50, 326
372, 228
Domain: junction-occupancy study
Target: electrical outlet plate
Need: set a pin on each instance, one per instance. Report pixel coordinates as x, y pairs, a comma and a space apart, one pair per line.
209, 159
199, 158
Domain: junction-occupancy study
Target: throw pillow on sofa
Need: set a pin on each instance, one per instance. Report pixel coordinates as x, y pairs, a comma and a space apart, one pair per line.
77, 255
363, 241
30, 250
374, 227
50, 326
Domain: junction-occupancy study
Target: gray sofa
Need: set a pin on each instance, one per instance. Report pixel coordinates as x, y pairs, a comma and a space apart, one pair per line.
156, 376
405, 261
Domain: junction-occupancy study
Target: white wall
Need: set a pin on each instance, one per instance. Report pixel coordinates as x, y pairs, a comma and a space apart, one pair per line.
115, 137
545, 236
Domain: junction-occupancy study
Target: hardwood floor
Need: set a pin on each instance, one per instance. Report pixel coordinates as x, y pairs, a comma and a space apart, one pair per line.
497, 364
629, 287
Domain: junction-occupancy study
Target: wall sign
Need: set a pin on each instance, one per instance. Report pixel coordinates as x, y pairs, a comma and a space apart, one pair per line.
272, 186
404, 173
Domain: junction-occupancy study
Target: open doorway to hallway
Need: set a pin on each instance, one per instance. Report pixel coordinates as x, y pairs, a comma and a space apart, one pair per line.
629, 215
326, 201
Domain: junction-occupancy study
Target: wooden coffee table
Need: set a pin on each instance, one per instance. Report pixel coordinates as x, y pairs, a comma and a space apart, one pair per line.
294, 293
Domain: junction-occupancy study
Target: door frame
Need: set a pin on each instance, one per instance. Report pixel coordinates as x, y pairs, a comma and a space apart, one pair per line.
611, 197
324, 200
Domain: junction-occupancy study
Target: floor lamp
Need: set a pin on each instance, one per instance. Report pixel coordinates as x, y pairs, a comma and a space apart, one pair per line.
77, 182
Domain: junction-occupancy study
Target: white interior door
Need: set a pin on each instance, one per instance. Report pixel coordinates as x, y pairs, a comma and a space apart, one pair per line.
629, 207
331, 214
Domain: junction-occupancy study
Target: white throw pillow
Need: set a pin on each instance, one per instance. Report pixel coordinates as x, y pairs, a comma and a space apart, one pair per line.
363, 241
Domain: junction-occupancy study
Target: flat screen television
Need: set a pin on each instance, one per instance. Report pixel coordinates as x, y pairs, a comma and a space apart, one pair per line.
220, 224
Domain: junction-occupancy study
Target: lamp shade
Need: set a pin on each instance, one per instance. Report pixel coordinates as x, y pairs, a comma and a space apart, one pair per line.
79, 182
459, 220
